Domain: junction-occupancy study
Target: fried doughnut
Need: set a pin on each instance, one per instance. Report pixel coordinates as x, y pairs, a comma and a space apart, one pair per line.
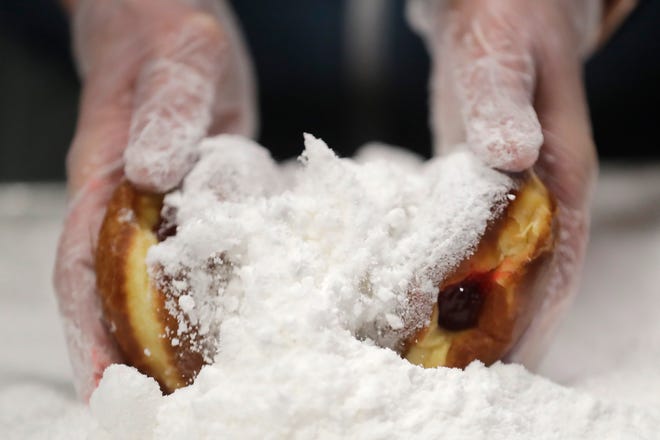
482, 307
134, 306
485, 305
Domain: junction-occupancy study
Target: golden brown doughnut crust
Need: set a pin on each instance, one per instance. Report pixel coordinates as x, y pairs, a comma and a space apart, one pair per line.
134, 308
510, 262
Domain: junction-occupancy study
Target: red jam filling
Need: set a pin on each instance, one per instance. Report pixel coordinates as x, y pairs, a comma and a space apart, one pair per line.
460, 304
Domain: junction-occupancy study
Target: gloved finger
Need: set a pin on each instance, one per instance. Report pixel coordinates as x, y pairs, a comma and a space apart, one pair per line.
568, 162
102, 127
568, 166
485, 82
91, 349
173, 105
235, 102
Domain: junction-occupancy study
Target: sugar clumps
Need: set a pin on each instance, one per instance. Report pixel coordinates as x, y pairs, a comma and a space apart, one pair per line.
313, 269
357, 245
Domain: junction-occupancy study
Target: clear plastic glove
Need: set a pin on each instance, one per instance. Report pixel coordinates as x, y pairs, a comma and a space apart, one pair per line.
158, 76
507, 82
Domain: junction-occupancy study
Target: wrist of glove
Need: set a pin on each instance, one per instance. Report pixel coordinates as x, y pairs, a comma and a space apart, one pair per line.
608, 15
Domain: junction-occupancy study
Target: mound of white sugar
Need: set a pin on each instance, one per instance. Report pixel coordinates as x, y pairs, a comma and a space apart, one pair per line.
295, 359
318, 265
334, 246
305, 380
358, 392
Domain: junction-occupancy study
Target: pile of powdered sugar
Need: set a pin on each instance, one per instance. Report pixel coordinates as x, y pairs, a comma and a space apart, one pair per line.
333, 245
289, 369
319, 262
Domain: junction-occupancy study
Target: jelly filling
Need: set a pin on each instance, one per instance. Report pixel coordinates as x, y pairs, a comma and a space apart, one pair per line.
459, 305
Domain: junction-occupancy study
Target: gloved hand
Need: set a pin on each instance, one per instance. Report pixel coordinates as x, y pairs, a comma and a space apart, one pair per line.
507, 83
158, 75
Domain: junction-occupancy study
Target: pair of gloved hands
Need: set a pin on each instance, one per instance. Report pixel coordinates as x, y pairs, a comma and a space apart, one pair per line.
159, 75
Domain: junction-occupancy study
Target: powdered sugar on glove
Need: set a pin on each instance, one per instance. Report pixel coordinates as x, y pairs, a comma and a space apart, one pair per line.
158, 76
487, 61
507, 82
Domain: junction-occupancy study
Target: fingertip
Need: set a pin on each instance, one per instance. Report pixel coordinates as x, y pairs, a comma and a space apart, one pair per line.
172, 114
526, 156
508, 143
510, 157
156, 172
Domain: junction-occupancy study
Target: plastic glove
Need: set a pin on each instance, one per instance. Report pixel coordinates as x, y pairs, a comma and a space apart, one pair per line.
158, 75
507, 82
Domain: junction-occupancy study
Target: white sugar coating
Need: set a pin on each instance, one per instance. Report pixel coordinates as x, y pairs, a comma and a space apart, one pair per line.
125, 403
609, 358
358, 391
300, 276
341, 245
303, 279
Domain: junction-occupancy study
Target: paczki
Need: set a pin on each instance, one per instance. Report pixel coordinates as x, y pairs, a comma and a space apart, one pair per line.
480, 307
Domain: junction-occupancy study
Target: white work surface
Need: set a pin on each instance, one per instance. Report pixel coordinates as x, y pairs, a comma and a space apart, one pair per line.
608, 344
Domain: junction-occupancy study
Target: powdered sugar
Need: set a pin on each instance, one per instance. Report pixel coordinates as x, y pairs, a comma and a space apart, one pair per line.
360, 391
343, 245
607, 351
320, 271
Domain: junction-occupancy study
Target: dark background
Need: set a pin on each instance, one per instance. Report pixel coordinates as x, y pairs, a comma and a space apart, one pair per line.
298, 48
